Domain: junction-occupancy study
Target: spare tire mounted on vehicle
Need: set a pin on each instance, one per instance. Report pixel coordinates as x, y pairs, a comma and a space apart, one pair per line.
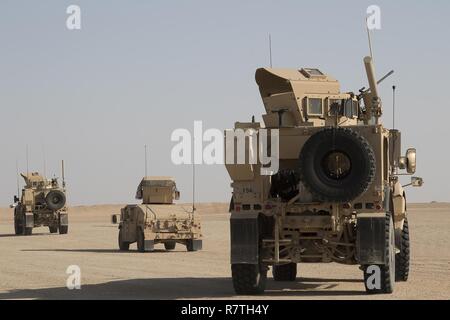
55, 200
337, 165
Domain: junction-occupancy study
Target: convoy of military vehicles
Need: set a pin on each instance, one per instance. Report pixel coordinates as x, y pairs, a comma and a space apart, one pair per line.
336, 196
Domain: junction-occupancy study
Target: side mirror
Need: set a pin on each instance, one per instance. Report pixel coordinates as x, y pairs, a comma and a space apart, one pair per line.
416, 182
16, 199
411, 161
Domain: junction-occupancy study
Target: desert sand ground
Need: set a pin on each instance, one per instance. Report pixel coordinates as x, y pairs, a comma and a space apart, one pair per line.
34, 267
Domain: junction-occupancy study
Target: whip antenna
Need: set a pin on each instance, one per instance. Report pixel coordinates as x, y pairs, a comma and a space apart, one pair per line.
28, 172
393, 106
17, 177
193, 187
145, 160
270, 50
45, 161
63, 175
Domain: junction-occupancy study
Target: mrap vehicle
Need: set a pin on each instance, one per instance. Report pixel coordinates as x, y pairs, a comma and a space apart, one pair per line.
336, 196
42, 203
158, 220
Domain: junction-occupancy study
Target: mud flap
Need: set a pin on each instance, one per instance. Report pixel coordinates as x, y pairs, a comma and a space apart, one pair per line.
63, 219
371, 238
149, 245
244, 238
29, 220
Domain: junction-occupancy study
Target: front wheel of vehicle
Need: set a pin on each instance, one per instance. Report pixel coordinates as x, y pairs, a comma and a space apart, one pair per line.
123, 245
140, 241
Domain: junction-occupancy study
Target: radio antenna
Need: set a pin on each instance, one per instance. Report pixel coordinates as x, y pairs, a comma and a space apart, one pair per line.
393, 106
17, 177
45, 161
193, 187
63, 174
270, 49
28, 172
145, 159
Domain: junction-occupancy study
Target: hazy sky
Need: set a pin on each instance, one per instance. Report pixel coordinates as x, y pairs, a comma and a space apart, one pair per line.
137, 70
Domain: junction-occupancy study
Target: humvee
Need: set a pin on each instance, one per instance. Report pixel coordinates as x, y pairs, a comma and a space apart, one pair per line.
43, 203
158, 219
336, 196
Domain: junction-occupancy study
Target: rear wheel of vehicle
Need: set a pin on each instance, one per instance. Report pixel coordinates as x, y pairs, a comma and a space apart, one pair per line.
63, 229
190, 245
28, 231
381, 278
402, 258
248, 279
140, 241
285, 272
123, 246
53, 229
170, 245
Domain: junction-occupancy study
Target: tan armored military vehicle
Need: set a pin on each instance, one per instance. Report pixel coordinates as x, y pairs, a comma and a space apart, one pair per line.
158, 219
336, 196
43, 203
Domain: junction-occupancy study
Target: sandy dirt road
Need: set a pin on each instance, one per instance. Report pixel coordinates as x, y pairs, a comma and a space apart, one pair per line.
34, 267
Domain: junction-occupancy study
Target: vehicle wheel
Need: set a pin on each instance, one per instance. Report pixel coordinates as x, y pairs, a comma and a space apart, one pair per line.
337, 165
18, 228
402, 258
63, 229
53, 229
248, 279
123, 246
140, 241
285, 272
387, 271
28, 231
190, 245
170, 245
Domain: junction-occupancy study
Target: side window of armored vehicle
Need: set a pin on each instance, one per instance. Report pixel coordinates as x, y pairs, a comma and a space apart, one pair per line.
315, 107
334, 107
350, 108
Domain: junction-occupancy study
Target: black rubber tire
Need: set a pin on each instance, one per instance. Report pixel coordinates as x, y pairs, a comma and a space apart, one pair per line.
28, 231
403, 257
170, 245
55, 200
387, 271
63, 229
18, 228
362, 165
248, 279
190, 245
140, 241
285, 272
53, 229
123, 246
